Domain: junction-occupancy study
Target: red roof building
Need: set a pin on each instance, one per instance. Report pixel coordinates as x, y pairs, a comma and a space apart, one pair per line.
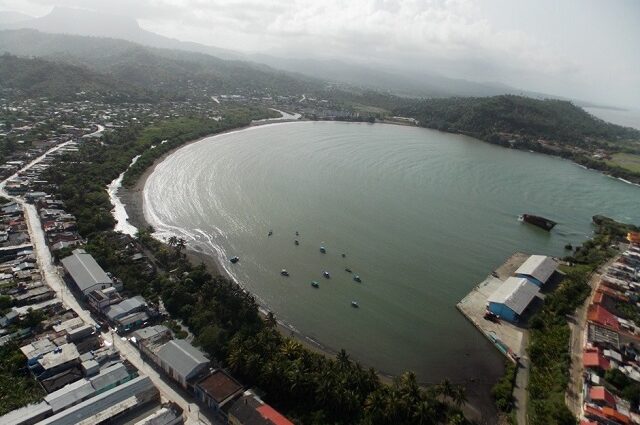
603, 317
602, 397
592, 359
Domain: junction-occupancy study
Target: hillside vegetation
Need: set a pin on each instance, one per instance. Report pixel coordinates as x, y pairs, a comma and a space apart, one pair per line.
41, 78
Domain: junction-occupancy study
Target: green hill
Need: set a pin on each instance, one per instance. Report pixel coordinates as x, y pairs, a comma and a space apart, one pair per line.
484, 117
33, 77
172, 73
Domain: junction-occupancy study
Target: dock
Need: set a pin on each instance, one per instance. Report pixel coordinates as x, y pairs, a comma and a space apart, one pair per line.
507, 337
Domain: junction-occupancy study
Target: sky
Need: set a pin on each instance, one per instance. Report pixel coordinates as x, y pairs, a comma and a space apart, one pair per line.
582, 49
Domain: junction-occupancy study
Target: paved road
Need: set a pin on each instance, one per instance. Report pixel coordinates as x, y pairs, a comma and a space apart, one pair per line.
520, 393
51, 276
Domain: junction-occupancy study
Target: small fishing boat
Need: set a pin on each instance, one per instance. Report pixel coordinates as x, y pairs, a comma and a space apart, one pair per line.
315, 284
270, 233
357, 278
344, 255
326, 274
284, 272
355, 304
348, 270
234, 259
297, 234
323, 250
296, 242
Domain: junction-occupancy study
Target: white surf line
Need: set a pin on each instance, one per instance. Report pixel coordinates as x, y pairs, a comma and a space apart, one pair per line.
119, 212
284, 116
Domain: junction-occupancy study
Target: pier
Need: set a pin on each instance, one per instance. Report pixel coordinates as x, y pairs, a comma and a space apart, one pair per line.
508, 338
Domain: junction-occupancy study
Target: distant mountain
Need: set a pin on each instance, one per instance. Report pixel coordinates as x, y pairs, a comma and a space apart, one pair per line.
172, 74
63, 20
10, 17
38, 77
423, 84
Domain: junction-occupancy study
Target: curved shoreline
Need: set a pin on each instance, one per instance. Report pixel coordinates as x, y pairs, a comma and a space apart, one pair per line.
134, 203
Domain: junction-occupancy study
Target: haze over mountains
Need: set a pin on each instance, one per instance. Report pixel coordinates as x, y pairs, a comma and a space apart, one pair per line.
87, 23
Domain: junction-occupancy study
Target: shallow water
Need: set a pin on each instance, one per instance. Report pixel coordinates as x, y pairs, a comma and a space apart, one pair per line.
422, 216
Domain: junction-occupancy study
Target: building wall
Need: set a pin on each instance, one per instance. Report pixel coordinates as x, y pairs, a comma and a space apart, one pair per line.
503, 311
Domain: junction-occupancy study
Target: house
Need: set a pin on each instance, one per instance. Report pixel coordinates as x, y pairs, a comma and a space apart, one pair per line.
217, 390
181, 361
125, 307
251, 410
85, 272
512, 297
102, 298
538, 269
150, 339
602, 397
599, 315
592, 359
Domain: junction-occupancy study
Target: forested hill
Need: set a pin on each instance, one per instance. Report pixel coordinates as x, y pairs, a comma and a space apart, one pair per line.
172, 74
506, 116
33, 77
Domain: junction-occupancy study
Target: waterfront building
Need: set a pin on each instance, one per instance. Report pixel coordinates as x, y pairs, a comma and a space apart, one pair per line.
538, 269
181, 361
85, 272
511, 298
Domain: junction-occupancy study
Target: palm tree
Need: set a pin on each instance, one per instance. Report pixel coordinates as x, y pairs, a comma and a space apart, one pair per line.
181, 243
459, 397
343, 359
446, 388
270, 320
172, 241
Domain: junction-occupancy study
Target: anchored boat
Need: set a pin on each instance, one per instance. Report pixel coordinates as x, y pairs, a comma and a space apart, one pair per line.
234, 259
536, 220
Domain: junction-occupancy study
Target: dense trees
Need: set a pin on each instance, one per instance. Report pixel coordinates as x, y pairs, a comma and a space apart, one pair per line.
17, 387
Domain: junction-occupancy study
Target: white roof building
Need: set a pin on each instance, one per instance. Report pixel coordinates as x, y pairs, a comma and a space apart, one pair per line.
515, 293
539, 267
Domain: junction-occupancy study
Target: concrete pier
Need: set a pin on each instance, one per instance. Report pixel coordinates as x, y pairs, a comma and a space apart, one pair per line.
507, 337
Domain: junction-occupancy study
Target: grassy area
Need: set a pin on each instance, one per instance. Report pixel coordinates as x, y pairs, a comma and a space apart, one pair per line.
17, 387
628, 161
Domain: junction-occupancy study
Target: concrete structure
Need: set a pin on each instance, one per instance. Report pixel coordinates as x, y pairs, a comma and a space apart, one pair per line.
111, 377
512, 297
251, 410
166, 415
217, 389
538, 269
181, 361
60, 359
85, 272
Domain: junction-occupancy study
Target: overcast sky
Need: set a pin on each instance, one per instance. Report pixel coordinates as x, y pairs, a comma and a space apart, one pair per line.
584, 49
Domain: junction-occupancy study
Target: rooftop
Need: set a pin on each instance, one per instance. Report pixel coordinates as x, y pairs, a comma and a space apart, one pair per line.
540, 267
516, 293
125, 307
61, 355
84, 270
219, 386
181, 356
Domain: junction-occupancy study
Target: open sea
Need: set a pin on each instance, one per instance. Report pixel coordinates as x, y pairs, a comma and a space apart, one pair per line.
422, 217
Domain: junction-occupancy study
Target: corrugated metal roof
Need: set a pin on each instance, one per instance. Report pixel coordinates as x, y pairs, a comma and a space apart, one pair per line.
150, 332
100, 403
516, 293
181, 356
84, 270
540, 267
125, 307
109, 376
69, 395
25, 414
